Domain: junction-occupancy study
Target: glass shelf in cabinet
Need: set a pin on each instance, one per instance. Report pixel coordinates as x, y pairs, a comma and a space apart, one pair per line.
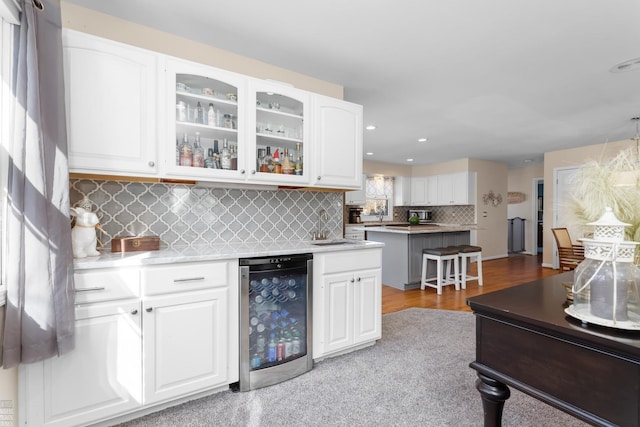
277, 137
208, 98
280, 112
192, 125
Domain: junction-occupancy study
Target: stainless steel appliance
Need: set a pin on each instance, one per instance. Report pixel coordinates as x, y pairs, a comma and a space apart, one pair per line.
355, 215
275, 319
425, 216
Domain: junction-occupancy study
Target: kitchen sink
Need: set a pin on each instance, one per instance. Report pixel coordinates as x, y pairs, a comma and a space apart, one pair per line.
332, 242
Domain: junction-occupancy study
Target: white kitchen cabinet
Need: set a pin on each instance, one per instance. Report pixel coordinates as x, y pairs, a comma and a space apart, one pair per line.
102, 377
185, 343
144, 336
193, 91
190, 330
354, 232
111, 101
337, 142
347, 301
357, 197
424, 190
456, 188
402, 191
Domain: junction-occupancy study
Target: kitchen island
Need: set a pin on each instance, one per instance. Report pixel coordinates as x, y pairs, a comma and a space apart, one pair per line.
402, 253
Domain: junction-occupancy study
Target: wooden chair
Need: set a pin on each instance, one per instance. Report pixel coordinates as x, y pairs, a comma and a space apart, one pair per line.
569, 255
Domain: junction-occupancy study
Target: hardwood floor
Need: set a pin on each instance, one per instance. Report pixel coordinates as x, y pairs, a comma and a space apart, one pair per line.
497, 274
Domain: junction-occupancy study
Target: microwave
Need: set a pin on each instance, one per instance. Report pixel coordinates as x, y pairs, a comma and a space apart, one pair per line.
424, 215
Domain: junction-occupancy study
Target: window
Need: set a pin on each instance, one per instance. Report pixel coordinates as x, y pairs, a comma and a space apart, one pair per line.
379, 198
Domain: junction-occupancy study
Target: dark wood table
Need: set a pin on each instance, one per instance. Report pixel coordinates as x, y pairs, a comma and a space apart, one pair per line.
525, 340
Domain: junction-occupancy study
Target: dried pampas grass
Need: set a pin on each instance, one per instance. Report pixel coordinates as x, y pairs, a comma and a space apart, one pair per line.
614, 183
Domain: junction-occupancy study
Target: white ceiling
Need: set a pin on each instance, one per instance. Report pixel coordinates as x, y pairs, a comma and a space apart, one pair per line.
501, 80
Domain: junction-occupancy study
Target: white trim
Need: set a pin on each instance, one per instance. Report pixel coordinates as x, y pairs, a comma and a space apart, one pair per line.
10, 11
6, 112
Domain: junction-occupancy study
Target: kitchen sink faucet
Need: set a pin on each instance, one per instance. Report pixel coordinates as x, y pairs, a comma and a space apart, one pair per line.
320, 234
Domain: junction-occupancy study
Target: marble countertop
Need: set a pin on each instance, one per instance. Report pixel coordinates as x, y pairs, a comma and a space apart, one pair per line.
423, 228
219, 252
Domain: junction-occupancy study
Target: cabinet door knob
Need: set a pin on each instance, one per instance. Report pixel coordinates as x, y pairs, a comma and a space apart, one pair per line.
253, 172
242, 171
152, 163
134, 311
352, 280
358, 279
149, 309
319, 177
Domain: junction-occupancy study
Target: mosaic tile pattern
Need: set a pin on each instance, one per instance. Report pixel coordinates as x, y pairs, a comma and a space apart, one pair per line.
187, 215
463, 214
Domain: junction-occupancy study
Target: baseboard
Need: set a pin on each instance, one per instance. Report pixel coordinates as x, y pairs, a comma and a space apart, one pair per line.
487, 258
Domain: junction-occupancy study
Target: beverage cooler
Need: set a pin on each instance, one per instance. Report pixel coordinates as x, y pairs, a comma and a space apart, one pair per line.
275, 319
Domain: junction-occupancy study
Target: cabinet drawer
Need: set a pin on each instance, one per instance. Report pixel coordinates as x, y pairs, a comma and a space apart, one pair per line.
184, 277
336, 262
105, 285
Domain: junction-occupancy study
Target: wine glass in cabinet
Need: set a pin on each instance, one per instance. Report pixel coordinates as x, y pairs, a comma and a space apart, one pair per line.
279, 133
206, 122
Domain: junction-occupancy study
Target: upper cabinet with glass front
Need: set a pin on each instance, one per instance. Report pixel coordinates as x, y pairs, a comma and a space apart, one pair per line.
205, 122
279, 133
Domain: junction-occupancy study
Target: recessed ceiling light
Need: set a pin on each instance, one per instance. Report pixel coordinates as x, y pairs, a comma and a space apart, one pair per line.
422, 140
409, 160
623, 67
369, 153
370, 127
528, 160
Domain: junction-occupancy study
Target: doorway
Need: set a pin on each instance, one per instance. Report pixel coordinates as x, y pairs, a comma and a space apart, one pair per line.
537, 215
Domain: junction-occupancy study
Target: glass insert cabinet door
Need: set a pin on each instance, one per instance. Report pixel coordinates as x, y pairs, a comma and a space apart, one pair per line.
206, 121
280, 141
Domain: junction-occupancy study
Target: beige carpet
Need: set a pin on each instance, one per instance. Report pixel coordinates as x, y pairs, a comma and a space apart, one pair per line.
417, 375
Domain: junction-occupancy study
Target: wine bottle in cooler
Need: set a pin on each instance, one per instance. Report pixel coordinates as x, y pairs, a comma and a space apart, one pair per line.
272, 355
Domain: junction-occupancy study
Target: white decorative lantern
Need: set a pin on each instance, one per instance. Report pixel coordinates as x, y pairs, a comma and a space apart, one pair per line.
605, 286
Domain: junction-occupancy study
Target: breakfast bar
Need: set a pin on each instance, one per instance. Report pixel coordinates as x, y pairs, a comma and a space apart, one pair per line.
402, 253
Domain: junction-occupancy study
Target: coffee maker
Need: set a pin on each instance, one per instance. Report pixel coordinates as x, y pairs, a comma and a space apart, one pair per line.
354, 215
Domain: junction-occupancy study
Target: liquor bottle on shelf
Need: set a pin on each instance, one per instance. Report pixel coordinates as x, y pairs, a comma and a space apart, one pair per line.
228, 122
211, 116
198, 153
186, 152
298, 157
234, 157
268, 162
216, 154
209, 162
260, 159
199, 118
225, 156
287, 166
177, 151
277, 166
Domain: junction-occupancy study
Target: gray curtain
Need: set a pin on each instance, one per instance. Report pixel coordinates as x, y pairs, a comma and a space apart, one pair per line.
39, 317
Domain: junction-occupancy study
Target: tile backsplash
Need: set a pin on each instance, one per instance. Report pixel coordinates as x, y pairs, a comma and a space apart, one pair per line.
460, 214
184, 215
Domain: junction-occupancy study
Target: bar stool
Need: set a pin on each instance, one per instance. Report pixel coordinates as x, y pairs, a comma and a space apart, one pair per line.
443, 275
466, 253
